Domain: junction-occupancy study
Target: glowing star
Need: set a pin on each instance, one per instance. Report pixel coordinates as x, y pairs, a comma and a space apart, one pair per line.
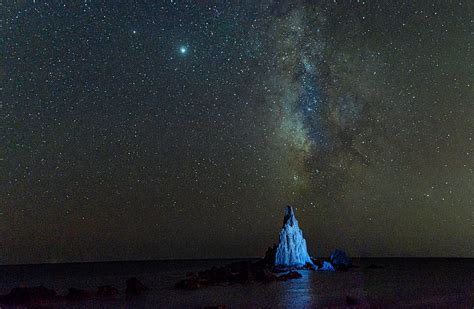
183, 50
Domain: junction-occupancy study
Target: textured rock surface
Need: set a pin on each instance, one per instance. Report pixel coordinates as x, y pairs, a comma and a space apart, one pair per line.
340, 259
291, 250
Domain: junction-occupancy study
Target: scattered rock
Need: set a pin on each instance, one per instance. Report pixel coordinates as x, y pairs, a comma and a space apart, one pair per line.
340, 260
290, 275
216, 275
135, 287
317, 262
29, 295
107, 290
238, 272
288, 256
188, 284
269, 258
327, 266
77, 294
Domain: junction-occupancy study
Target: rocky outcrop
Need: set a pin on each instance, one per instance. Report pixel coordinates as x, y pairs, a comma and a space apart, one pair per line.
323, 265
340, 260
291, 250
327, 266
77, 294
29, 295
238, 272
270, 255
32, 296
289, 255
107, 290
290, 275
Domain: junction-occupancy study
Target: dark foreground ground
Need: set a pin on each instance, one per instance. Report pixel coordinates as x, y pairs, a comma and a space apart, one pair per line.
393, 283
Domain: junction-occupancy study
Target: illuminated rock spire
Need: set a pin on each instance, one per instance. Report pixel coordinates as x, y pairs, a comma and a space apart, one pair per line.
291, 250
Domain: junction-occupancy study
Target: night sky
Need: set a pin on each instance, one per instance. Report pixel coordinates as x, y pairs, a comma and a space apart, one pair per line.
161, 130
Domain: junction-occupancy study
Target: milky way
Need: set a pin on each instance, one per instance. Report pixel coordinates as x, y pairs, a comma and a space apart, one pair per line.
321, 100
181, 130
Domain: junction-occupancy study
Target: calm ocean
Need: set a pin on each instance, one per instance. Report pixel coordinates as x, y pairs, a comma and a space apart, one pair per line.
401, 282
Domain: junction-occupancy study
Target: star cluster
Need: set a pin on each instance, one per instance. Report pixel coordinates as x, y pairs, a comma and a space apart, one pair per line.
179, 129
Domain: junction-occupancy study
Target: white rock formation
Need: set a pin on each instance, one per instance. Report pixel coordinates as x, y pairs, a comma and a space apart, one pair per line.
291, 250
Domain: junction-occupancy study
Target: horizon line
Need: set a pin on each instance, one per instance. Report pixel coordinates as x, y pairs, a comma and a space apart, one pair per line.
225, 258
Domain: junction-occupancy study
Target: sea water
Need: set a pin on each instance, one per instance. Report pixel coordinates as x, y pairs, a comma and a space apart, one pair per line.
400, 282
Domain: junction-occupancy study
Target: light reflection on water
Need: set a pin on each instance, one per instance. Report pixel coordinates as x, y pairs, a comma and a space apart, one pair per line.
297, 292
401, 282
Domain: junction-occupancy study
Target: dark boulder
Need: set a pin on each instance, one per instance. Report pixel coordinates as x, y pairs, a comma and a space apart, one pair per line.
215, 275
269, 258
29, 295
190, 283
107, 290
135, 287
238, 272
290, 275
340, 260
327, 266
317, 262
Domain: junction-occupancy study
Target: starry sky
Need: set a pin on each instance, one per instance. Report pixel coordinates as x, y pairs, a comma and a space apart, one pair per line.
138, 130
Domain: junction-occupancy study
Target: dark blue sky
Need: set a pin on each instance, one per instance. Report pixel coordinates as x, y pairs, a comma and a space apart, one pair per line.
115, 144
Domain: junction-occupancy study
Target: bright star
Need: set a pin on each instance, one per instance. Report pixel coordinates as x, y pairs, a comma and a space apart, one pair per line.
183, 50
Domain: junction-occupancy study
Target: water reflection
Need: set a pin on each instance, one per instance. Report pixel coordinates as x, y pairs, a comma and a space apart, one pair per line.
298, 292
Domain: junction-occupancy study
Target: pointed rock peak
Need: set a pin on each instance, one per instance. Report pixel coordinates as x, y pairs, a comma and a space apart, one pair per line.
289, 216
291, 250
